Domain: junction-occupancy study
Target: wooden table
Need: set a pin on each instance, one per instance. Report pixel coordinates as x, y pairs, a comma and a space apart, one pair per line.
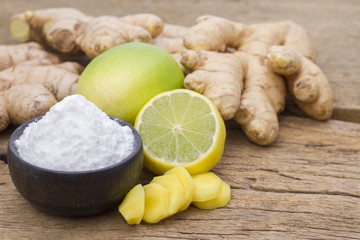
304, 186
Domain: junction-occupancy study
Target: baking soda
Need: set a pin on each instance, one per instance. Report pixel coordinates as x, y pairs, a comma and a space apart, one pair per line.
75, 135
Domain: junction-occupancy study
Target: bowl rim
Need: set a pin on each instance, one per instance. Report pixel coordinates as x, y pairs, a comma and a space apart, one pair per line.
136, 149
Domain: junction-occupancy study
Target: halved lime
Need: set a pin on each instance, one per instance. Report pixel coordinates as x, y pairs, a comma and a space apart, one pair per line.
181, 128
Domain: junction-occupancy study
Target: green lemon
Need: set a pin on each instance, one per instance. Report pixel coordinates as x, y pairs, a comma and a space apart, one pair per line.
181, 128
123, 79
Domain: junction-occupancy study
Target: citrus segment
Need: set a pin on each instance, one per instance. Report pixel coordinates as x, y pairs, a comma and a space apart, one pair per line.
181, 128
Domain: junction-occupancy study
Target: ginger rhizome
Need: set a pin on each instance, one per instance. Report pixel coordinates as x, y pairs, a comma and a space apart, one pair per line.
31, 81
271, 58
105, 32
23, 102
27, 53
72, 32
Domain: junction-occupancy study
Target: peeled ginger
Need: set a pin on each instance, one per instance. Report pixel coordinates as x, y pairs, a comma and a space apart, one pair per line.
132, 207
171, 193
207, 186
176, 189
187, 182
157, 203
219, 201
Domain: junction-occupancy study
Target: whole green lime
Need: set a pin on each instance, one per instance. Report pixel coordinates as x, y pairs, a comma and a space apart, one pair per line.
121, 80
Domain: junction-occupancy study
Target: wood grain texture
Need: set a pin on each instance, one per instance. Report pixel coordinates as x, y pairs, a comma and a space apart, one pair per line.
305, 186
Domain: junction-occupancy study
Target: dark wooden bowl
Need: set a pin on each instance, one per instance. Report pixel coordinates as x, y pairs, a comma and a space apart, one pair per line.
74, 194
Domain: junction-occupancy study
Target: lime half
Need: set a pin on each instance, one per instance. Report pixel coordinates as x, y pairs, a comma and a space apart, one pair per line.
181, 128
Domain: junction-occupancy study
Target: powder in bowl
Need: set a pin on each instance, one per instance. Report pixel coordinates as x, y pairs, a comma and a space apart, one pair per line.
75, 135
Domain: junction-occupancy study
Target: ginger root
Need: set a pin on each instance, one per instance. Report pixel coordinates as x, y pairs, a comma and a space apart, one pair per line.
105, 32
23, 102
57, 79
150, 22
27, 53
208, 69
271, 58
55, 27
72, 32
33, 83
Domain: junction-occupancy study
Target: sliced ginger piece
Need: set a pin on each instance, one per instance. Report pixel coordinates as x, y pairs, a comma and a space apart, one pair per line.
219, 201
157, 203
174, 186
133, 205
187, 182
207, 186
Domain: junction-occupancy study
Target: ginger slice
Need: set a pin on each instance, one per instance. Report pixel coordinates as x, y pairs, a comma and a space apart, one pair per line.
221, 200
133, 206
207, 186
157, 203
187, 182
176, 189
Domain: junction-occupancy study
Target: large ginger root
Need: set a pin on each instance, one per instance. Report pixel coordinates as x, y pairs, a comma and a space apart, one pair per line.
306, 82
60, 80
219, 76
171, 45
20, 103
33, 81
71, 32
27, 53
171, 38
105, 32
29, 91
208, 69
268, 54
173, 31
56, 27
150, 22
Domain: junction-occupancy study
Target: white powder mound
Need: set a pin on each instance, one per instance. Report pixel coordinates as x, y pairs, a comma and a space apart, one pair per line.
75, 135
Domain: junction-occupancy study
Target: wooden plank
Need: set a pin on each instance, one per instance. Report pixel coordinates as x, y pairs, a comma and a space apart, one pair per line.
305, 186
334, 26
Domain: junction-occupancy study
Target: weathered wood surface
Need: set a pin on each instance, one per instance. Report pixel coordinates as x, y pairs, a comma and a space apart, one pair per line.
334, 26
305, 186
